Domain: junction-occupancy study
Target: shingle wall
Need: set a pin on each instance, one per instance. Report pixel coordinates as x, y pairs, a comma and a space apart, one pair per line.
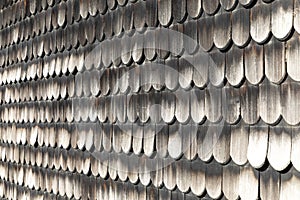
156, 99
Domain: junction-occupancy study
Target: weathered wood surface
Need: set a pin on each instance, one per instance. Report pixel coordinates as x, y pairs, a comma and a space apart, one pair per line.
160, 99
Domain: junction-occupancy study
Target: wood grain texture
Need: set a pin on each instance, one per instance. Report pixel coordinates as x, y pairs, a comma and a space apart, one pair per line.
149, 139
235, 66
162, 139
249, 107
182, 170
216, 68
151, 13
274, 54
231, 110
249, 183
62, 9
107, 137
118, 22
143, 107
210, 7
111, 4
197, 98
190, 36
254, 66
213, 102
132, 103
282, 18
102, 6
280, 144
222, 30
137, 46
175, 146
200, 67
239, 143
289, 183
112, 170
149, 44
213, 180
107, 52
172, 73
221, 143
296, 22
269, 102
84, 5
289, 102
176, 194
185, 70
260, 17
179, 10
99, 31
197, 183
292, 56
90, 32
144, 173
93, 7
139, 10
137, 138
95, 82
126, 50
101, 114
162, 43
157, 175
258, 144
295, 147
189, 137
228, 4
69, 13
205, 142
123, 79
76, 10
128, 17
167, 107
32, 6
230, 181
86, 76
164, 9
117, 138
194, 8
97, 131
206, 32
270, 184
120, 104
155, 107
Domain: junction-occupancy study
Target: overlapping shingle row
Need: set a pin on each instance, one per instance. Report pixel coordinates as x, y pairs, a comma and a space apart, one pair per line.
60, 172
